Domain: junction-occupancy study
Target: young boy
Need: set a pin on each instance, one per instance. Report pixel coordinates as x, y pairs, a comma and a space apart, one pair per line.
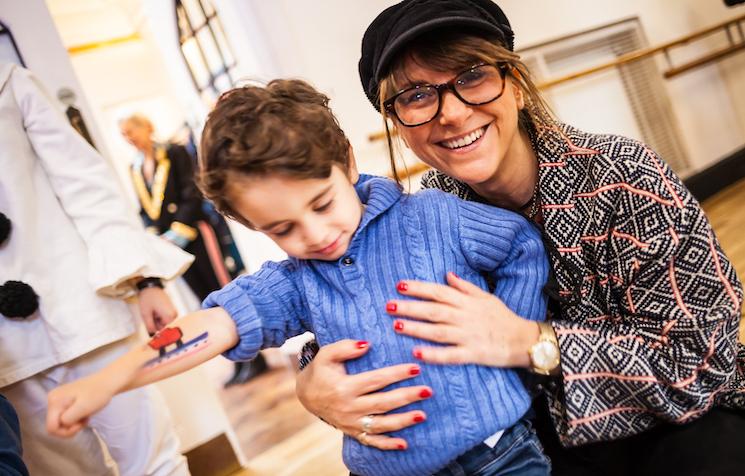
275, 159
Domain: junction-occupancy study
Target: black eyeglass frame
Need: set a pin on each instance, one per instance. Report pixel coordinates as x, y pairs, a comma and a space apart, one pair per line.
389, 104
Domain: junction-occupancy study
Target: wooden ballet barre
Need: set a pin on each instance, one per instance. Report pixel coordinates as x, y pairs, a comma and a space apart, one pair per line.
711, 57
647, 52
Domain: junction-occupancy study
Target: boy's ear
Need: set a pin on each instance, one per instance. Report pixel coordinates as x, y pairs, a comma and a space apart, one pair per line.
354, 174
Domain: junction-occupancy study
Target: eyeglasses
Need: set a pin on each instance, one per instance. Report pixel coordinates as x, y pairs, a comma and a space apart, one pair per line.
476, 86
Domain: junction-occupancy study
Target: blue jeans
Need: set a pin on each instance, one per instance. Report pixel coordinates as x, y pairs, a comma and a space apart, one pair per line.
517, 453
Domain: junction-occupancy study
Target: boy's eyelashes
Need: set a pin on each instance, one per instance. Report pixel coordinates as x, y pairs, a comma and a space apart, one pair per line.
326, 206
286, 230
283, 232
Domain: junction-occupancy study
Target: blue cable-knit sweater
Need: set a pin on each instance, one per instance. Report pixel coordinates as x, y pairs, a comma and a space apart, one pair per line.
420, 237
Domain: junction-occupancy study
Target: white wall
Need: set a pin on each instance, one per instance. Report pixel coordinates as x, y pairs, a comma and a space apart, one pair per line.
705, 101
42, 50
319, 41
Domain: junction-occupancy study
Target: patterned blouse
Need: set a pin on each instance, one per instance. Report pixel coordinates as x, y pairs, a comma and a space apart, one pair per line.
649, 305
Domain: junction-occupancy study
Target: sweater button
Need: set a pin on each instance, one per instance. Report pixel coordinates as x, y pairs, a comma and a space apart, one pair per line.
347, 261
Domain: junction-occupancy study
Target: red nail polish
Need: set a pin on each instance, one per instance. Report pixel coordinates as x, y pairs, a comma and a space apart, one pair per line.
455, 275
362, 344
391, 307
401, 447
401, 286
414, 371
398, 325
426, 393
419, 418
417, 354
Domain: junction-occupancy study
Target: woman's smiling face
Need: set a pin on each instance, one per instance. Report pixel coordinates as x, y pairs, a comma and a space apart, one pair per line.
469, 143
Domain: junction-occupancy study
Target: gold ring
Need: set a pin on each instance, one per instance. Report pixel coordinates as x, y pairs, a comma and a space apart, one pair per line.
367, 422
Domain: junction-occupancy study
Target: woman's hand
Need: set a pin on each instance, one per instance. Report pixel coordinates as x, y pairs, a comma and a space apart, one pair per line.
478, 326
156, 308
342, 400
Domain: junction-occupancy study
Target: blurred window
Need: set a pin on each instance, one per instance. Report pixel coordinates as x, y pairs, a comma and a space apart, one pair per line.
205, 48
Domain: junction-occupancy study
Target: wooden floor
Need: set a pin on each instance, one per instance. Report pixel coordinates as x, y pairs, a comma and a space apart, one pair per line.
275, 432
281, 439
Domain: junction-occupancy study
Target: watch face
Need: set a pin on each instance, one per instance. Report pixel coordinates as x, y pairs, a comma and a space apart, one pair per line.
545, 355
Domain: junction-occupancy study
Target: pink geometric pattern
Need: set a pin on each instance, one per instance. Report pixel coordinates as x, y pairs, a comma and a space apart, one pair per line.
650, 305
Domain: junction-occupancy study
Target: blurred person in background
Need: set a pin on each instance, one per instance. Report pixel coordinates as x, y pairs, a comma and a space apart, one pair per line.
172, 208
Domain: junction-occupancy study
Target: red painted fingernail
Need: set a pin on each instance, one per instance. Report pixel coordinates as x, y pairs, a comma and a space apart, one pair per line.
398, 325
401, 286
362, 344
426, 393
391, 307
419, 418
455, 275
414, 371
417, 354
401, 447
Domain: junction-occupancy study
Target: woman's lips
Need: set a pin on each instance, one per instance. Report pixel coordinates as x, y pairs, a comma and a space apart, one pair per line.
465, 141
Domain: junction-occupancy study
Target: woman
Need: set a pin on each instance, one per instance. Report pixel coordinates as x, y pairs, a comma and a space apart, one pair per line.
645, 306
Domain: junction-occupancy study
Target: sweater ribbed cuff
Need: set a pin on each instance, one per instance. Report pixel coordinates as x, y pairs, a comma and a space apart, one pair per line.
236, 302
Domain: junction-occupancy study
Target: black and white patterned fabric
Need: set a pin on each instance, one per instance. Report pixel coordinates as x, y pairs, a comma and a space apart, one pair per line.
649, 303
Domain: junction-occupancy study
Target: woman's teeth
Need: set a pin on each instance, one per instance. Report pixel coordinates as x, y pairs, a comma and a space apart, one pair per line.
466, 140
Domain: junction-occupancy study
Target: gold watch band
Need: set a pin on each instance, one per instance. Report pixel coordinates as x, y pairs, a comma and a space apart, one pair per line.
544, 354
547, 332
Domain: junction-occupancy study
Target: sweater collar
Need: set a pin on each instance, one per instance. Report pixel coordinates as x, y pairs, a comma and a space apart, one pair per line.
378, 194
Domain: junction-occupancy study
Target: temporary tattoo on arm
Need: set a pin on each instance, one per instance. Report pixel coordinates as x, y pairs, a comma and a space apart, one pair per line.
166, 337
170, 336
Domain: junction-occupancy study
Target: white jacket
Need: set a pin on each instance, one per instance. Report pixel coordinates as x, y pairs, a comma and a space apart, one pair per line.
74, 238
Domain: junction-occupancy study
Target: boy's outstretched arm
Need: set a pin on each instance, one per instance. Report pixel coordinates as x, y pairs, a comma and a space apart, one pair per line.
184, 344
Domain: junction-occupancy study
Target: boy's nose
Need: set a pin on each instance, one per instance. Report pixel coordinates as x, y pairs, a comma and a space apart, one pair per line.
314, 237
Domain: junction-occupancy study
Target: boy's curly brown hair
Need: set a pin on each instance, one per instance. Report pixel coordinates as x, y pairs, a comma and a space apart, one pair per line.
284, 128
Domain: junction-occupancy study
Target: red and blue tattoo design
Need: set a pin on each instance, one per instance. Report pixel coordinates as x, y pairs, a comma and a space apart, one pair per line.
173, 336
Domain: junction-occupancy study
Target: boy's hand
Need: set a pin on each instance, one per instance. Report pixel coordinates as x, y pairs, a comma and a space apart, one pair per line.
156, 309
70, 405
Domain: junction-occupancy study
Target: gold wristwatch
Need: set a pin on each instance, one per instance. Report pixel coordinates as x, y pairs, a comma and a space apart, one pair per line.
544, 354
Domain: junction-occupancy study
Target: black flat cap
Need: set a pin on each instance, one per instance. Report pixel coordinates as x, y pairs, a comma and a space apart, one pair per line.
397, 25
